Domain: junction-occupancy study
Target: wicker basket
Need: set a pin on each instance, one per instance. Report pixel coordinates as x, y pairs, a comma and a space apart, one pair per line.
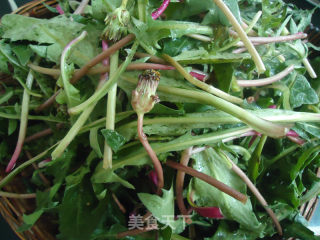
12, 209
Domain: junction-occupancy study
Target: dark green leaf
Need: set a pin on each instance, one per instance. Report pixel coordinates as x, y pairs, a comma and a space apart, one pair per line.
30, 220
113, 138
3, 151
80, 212
162, 208
224, 74
12, 126
302, 93
202, 56
3, 64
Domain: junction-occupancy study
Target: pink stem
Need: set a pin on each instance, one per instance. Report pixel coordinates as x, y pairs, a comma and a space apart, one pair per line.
44, 162
185, 157
266, 81
15, 156
294, 137
296, 140
81, 7
143, 66
160, 10
153, 177
247, 134
105, 62
272, 106
199, 75
292, 133
59, 9
156, 163
209, 212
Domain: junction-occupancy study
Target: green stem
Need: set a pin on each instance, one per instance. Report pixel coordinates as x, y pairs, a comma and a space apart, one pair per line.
40, 118
142, 6
107, 86
313, 192
174, 25
285, 94
200, 37
101, 122
76, 127
23, 121
202, 85
256, 123
124, 3
241, 150
254, 162
243, 36
13, 5
218, 117
111, 110
25, 87
248, 29
284, 153
309, 68
19, 169
178, 145
65, 67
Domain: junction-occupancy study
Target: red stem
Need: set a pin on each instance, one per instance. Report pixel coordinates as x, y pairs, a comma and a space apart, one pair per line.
214, 182
59, 9
160, 10
185, 157
15, 156
105, 54
199, 75
83, 71
37, 135
119, 204
156, 163
105, 62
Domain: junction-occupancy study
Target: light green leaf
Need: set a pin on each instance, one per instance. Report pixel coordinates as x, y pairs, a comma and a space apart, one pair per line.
18, 27
209, 162
302, 93
202, 56
312, 128
102, 175
94, 143
23, 53
72, 94
30, 220
162, 208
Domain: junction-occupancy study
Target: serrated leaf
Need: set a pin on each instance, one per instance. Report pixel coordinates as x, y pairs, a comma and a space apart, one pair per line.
202, 56
209, 162
162, 208
23, 53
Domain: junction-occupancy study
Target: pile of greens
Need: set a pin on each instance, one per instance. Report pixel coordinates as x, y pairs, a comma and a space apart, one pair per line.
75, 93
